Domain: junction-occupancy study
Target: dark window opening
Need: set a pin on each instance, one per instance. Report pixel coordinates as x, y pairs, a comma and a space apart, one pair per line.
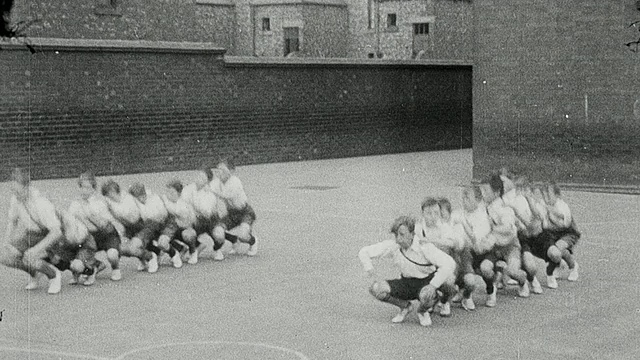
291, 40
421, 29
266, 24
391, 20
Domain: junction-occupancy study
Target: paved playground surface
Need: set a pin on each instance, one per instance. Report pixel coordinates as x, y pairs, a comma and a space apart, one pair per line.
305, 295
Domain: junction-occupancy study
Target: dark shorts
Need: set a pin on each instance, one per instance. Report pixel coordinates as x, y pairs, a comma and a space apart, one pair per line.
62, 254
205, 225
537, 245
107, 238
151, 230
569, 235
408, 288
132, 229
477, 259
235, 217
464, 261
173, 230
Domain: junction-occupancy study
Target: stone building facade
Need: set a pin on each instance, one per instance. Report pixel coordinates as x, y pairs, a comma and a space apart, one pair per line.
391, 29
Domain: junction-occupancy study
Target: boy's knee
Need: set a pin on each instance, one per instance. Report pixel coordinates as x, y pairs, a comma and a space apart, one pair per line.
219, 234
469, 280
113, 255
10, 256
244, 231
76, 266
554, 254
486, 268
189, 235
380, 290
32, 264
163, 242
205, 239
562, 245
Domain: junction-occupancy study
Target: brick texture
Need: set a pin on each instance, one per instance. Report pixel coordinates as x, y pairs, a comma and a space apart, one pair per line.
129, 111
555, 90
158, 20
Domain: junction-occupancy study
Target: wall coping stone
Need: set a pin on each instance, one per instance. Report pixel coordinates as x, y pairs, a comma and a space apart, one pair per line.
253, 61
216, 2
92, 45
339, 3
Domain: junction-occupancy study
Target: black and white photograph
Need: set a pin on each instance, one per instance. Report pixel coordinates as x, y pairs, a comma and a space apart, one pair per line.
319, 179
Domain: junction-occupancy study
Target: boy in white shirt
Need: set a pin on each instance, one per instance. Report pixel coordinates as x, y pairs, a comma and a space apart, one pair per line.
504, 237
208, 210
529, 224
155, 217
93, 211
436, 227
75, 251
564, 234
33, 228
237, 225
424, 270
124, 208
182, 218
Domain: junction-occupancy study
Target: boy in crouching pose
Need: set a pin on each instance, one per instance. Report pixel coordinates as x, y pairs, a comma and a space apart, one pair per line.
424, 270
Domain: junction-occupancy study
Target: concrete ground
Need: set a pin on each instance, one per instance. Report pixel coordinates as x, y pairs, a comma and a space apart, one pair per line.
305, 295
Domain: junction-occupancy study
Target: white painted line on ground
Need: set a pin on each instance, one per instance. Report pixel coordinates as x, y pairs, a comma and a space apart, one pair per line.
300, 355
64, 355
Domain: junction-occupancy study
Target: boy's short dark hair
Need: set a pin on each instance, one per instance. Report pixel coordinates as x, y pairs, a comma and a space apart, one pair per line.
521, 182
475, 190
137, 190
495, 182
109, 186
228, 162
90, 177
21, 176
176, 185
407, 221
208, 171
429, 202
444, 203
555, 187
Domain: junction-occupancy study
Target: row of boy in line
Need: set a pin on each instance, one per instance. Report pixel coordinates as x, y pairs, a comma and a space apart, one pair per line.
183, 222
504, 225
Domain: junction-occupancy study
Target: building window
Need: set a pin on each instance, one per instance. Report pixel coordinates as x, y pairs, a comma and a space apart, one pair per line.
266, 24
291, 40
421, 29
391, 20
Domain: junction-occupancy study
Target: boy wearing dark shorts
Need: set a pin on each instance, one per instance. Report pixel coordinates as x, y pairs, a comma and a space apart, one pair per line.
424, 270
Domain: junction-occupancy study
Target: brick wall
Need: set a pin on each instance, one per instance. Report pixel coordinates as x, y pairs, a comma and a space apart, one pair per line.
555, 89
145, 107
158, 20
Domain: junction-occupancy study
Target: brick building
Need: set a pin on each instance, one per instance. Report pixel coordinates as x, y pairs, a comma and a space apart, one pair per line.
393, 29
